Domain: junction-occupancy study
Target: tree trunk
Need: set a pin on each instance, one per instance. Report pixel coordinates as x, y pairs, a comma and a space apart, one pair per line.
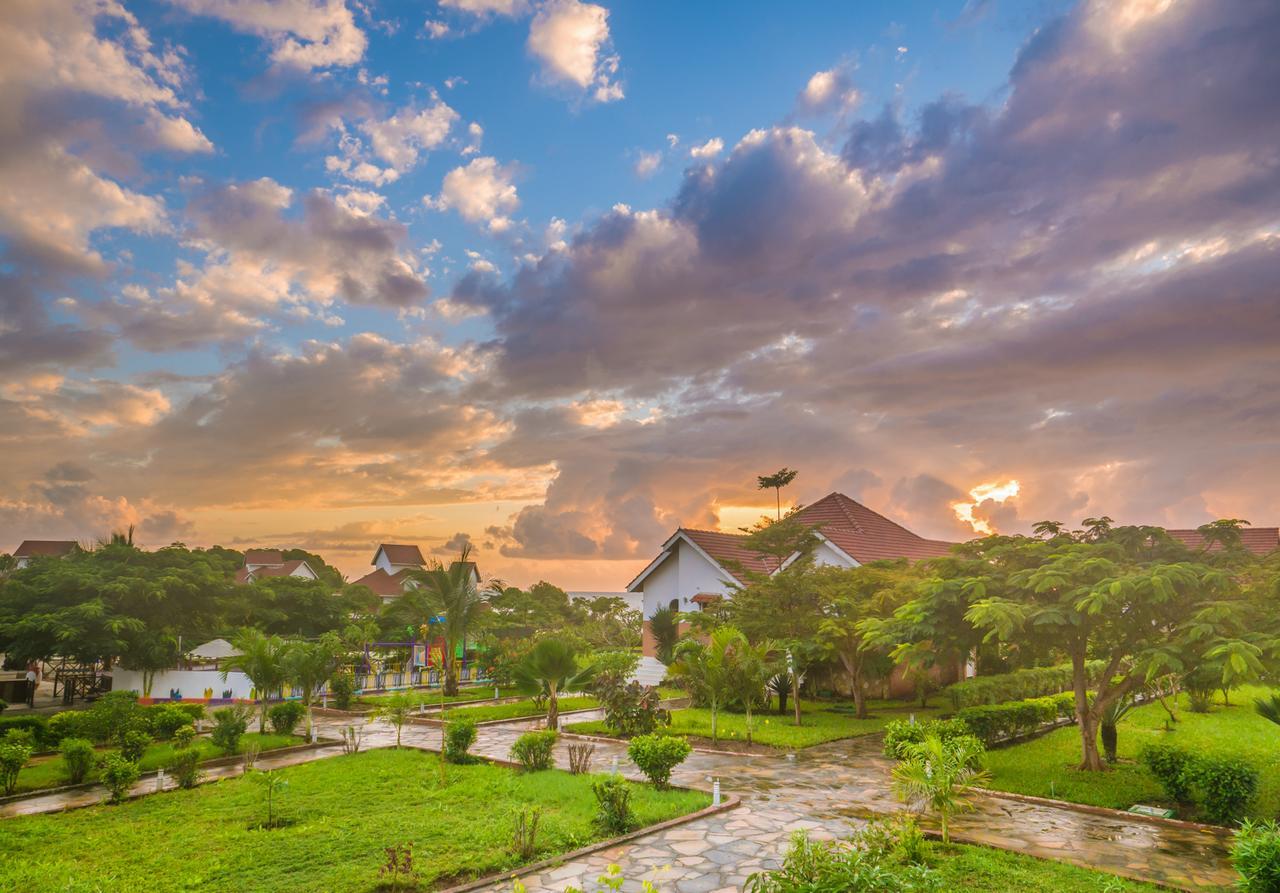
450, 677
748, 723
553, 709
795, 694
715, 714
782, 701
1091, 760
1109, 741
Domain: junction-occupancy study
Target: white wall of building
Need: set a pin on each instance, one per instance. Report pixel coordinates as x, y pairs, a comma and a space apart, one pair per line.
191, 683
826, 555
681, 576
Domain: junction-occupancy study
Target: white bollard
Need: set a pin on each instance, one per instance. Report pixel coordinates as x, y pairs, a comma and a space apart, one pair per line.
615, 764
495, 692
715, 793
159, 781
313, 734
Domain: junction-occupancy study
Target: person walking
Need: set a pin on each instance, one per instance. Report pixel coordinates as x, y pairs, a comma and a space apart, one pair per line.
31, 686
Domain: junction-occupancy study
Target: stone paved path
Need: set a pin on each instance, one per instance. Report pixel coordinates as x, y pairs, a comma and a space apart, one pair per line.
822, 790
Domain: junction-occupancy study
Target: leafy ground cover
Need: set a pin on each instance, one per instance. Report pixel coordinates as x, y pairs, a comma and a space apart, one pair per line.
432, 696
341, 813
823, 722
517, 709
1045, 766
47, 772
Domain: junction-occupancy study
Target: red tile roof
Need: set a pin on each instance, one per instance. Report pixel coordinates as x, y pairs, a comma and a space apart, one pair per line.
399, 554
276, 570
1258, 540
263, 556
383, 583
39, 548
727, 547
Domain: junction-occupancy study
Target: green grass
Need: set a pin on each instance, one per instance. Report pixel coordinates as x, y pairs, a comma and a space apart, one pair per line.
519, 709
432, 696
821, 724
344, 811
47, 772
1045, 767
976, 868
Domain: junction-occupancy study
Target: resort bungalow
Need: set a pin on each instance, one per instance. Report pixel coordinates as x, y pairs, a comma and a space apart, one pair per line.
32, 549
261, 563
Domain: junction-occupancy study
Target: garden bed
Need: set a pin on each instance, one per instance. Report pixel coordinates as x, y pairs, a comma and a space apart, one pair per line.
524, 708
341, 814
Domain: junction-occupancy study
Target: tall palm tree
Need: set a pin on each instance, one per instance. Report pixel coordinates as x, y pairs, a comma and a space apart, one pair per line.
309, 665
452, 595
261, 658
549, 669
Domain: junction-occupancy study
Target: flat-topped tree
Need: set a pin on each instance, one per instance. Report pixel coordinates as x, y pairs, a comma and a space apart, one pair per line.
1098, 596
776, 481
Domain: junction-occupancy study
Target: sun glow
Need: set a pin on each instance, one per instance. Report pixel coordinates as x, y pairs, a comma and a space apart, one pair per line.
995, 491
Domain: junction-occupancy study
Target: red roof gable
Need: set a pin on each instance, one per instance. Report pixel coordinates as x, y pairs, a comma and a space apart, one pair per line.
399, 554
39, 548
383, 583
727, 547
263, 556
1258, 540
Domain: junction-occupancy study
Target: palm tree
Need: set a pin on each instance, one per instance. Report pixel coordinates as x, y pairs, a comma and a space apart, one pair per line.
450, 593
776, 482
937, 775
750, 681
261, 658
1269, 708
709, 669
309, 665
396, 710
549, 669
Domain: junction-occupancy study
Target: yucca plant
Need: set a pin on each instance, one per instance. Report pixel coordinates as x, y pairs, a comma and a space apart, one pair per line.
937, 775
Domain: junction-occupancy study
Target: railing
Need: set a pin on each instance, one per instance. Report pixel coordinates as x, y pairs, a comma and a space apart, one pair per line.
469, 673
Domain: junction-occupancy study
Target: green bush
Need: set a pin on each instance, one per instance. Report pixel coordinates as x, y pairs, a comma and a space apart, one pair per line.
133, 744
184, 737
68, 724
533, 750
119, 775
1017, 686
13, 756
616, 663
613, 805
857, 865
341, 688
116, 713
284, 717
459, 735
167, 719
184, 765
657, 755
1223, 786
1168, 764
899, 732
38, 726
629, 708
229, 723
193, 711
996, 722
78, 757
1255, 853
23, 737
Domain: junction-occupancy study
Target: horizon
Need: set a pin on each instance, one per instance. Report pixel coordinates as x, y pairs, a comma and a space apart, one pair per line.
554, 278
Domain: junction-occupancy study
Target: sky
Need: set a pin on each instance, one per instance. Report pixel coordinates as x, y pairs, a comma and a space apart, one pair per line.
553, 277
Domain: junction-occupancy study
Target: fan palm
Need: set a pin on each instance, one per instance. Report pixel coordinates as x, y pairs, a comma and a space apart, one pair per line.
550, 668
451, 595
262, 659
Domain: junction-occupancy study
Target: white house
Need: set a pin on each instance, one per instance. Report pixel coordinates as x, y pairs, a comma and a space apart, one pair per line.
260, 563
393, 563
697, 567
32, 549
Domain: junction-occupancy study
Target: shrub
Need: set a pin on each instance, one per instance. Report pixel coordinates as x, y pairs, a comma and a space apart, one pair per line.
613, 805
532, 750
78, 757
352, 737
229, 724
524, 839
342, 687
937, 775
657, 755
1223, 786
67, 724
618, 664
193, 711
580, 753
116, 713
184, 737
629, 708
1168, 764
38, 726
13, 756
899, 732
996, 722
855, 866
167, 719
185, 767
398, 867
133, 744
1019, 685
23, 737
285, 717
459, 735
1255, 853
119, 775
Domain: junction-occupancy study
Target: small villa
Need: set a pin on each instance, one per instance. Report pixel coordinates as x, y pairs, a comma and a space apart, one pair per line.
32, 549
393, 564
262, 563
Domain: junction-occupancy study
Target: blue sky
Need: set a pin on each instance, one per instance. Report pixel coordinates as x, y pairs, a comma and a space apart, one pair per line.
554, 276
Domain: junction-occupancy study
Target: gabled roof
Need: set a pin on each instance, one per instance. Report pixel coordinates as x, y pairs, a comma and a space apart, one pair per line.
1258, 540
725, 547
383, 583
400, 554
263, 556
214, 650
274, 570
42, 548
863, 547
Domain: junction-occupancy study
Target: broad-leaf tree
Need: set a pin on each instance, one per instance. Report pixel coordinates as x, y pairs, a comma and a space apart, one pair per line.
776, 482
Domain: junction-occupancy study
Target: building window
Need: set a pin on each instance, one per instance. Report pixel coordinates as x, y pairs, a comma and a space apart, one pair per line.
675, 605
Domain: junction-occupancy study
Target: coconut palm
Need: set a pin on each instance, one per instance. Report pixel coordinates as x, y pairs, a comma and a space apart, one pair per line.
309, 665
709, 669
451, 595
937, 776
262, 659
550, 668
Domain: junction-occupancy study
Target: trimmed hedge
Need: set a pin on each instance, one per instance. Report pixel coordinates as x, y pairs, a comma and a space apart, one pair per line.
899, 733
38, 726
1222, 787
996, 722
1017, 686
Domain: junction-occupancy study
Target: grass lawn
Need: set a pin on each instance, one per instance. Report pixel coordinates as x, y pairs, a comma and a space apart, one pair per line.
432, 696
517, 709
821, 724
344, 811
1045, 767
47, 772
976, 868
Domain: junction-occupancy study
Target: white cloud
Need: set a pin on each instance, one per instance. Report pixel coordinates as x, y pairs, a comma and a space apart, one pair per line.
710, 149
436, 29
481, 191
827, 91
305, 34
398, 140
647, 164
176, 133
360, 202
509, 8
571, 40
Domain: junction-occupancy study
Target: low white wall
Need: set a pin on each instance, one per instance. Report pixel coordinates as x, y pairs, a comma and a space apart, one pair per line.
190, 683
